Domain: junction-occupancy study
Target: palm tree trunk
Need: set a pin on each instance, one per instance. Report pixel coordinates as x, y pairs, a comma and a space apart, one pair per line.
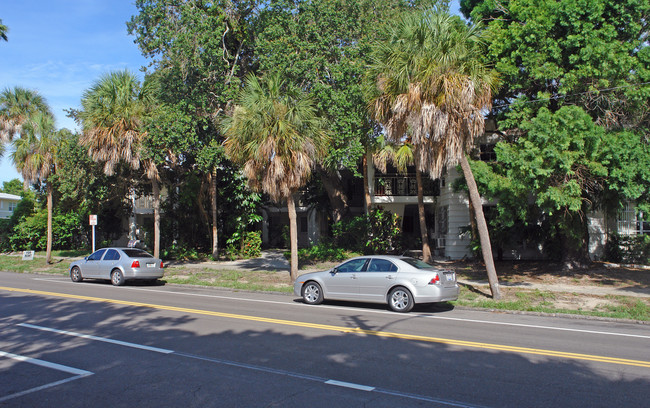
155, 187
215, 232
426, 249
484, 236
366, 187
48, 256
293, 237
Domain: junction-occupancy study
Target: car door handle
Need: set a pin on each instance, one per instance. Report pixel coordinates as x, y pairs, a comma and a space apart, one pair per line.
353, 276
389, 277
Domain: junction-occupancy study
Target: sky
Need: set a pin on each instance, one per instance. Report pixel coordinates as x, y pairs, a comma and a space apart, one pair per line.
61, 47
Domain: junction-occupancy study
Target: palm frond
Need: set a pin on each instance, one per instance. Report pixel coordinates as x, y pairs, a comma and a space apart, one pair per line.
430, 84
276, 134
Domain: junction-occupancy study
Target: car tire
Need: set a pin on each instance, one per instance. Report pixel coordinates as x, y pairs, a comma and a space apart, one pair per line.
400, 300
117, 278
75, 275
312, 293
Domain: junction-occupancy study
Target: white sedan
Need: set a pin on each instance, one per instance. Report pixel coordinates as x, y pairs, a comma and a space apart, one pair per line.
399, 281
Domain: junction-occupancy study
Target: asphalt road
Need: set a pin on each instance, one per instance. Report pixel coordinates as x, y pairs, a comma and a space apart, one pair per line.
95, 345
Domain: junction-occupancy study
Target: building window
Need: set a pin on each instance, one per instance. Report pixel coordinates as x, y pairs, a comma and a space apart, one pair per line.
443, 223
631, 222
12, 206
487, 153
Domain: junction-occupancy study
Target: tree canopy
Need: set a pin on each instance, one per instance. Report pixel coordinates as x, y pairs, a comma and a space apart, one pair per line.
576, 78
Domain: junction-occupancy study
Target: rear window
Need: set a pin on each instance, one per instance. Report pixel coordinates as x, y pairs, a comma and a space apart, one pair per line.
136, 253
416, 263
381, 265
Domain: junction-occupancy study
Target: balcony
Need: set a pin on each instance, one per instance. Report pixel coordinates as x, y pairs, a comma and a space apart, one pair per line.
143, 205
401, 185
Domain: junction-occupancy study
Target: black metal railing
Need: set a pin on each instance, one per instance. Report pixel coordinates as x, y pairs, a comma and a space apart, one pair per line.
400, 185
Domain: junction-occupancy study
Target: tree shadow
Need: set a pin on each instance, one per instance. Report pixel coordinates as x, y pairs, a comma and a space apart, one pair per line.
598, 273
281, 365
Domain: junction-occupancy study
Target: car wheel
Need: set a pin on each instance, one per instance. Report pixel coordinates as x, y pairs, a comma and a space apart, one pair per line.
400, 300
312, 293
117, 277
75, 274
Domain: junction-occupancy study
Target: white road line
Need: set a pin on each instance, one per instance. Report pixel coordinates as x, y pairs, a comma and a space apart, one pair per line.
350, 385
428, 316
47, 364
534, 326
316, 379
103, 339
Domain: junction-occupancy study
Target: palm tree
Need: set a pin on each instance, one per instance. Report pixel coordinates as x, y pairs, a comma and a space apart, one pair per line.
427, 80
403, 156
276, 134
35, 157
3, 31
113, 116
16, 107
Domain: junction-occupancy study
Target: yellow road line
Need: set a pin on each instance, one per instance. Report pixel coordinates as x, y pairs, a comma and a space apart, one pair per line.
402, 336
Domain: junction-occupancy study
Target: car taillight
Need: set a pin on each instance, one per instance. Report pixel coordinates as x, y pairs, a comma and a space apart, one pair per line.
135, 264
435, 280
161, 265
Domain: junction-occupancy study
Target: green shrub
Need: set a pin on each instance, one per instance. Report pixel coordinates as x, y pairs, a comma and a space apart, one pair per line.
376, 233
248, 245
251, 245
324, 251
633, 249
181, 251
31, 232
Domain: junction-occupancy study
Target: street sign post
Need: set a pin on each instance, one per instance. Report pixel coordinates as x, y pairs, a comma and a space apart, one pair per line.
93, 222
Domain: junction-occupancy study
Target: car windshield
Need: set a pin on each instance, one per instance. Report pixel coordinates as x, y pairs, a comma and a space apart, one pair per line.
137, 253
416, 263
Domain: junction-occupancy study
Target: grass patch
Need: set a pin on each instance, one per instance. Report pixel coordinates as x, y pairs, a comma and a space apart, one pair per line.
264, 281
629, 308
15, 263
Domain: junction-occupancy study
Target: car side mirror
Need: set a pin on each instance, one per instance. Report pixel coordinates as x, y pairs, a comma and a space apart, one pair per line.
334, 271
85, 258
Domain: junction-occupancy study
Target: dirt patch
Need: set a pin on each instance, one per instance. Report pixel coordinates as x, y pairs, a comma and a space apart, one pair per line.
598, 274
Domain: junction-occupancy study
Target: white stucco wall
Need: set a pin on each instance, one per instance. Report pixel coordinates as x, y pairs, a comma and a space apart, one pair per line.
456, 243
597, 227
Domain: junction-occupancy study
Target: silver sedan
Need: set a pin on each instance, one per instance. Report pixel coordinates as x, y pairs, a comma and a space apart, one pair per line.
401, 282
117, 265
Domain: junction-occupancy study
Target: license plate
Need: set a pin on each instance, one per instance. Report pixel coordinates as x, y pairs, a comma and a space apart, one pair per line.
151, 265
450, 276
